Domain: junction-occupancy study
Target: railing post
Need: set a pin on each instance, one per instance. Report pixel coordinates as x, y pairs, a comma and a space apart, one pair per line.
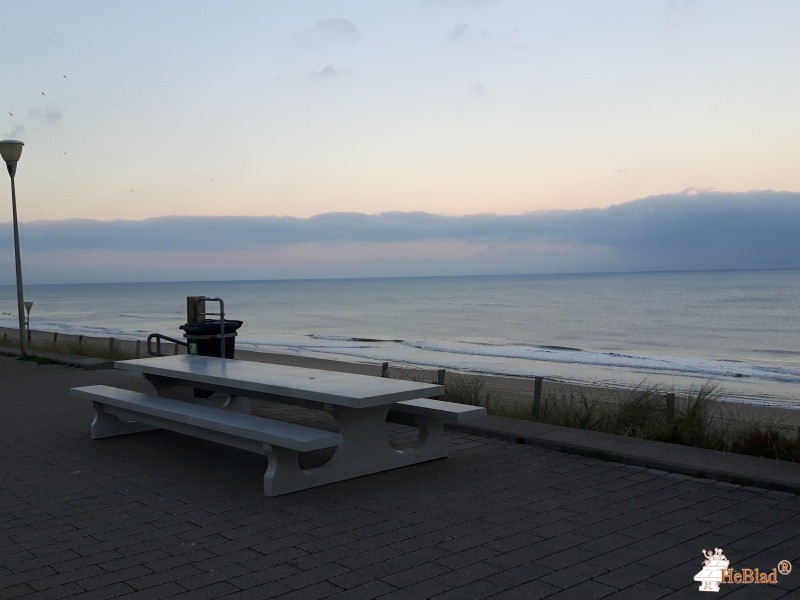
669, 406
537, 397
441, 377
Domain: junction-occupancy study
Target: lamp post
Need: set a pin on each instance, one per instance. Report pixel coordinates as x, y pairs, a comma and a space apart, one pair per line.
11, 150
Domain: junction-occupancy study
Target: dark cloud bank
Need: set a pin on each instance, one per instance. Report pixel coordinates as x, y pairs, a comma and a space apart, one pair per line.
707, 230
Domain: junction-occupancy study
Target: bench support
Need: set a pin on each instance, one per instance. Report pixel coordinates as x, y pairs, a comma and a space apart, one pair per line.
365, 451
106, 425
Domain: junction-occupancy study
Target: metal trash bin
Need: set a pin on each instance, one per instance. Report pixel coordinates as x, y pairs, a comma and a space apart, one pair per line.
208, 337
204, 338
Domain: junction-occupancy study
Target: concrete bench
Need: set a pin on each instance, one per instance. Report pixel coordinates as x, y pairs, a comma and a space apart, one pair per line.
119, 412
437, 409
429, 416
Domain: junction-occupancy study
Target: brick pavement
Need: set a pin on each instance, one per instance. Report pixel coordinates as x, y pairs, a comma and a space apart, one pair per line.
157, 515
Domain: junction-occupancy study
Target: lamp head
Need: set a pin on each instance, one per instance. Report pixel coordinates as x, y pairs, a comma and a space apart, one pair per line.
11, 150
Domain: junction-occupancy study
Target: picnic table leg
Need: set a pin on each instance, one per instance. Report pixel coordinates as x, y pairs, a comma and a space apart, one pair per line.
167, 387
366, 446
365, 450
431, 436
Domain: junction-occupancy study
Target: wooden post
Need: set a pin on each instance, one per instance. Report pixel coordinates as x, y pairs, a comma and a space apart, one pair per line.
537, 396
55, 338
385, 370
441, 376
669, 406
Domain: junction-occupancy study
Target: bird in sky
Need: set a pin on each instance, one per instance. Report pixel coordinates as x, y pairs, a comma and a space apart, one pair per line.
12, 114
42, 93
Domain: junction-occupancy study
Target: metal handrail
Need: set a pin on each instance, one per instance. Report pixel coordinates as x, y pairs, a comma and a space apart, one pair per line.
158, 337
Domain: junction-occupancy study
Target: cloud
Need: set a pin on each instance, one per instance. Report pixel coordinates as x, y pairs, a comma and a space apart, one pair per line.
692, 230
330, 72
337, 29
14, 132
458, 32
49, 113
479, 90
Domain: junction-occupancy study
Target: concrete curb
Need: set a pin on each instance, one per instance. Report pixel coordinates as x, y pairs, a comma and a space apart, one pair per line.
697, 462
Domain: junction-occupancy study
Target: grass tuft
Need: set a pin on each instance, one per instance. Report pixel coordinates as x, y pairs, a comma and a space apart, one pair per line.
693, 418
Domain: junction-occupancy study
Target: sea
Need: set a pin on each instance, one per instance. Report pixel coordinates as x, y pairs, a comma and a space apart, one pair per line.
736, 330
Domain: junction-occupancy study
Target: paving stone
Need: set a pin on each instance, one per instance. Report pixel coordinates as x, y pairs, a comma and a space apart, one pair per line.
642, 591
414, 575
366, 591
18, 590
533, 590
571, 575
587, 590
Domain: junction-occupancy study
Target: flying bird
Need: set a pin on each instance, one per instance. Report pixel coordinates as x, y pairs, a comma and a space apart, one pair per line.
64, 76
42, 93
12, 114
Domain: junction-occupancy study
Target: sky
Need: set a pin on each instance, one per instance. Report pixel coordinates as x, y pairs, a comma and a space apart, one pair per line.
263, 119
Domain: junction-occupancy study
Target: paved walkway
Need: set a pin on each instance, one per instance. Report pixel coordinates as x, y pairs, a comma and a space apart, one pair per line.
157, 515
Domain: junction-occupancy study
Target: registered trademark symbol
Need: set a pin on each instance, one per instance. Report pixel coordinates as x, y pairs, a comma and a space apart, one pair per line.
784, 567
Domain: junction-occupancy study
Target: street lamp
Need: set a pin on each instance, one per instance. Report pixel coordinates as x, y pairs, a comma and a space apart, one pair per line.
11, 150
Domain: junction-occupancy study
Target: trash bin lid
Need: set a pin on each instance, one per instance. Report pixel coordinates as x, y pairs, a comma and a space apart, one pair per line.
210, 327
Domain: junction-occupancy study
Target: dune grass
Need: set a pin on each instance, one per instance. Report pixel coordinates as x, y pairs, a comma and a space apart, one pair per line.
91, 347
692, 418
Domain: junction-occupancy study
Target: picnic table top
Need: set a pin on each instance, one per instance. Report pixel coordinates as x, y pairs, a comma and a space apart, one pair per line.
332, 387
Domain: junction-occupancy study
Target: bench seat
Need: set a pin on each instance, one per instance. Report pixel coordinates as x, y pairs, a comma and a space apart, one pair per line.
404, 412
135, 411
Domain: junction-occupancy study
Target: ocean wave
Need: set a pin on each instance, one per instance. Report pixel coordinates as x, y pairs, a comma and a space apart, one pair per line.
667, 365
148, 317
471, 354
345, 338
